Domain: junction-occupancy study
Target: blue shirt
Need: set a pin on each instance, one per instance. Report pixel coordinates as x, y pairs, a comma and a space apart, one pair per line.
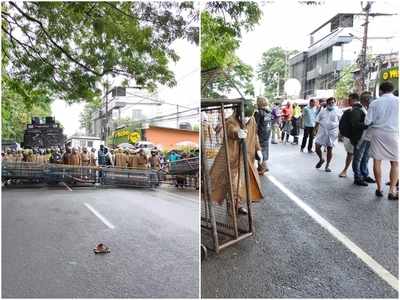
174, 157
101, 158
309, 115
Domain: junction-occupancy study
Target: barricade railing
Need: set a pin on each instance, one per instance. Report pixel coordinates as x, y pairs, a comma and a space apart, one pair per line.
182, 173
55, 173
223, 172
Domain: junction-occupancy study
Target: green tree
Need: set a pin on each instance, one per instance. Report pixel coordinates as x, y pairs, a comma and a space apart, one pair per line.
222, 26
274, 65
345, 84
86, 116
65, 48
17, 113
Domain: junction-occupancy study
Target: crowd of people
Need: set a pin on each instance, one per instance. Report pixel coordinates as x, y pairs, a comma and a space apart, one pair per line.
76, 156
369, 128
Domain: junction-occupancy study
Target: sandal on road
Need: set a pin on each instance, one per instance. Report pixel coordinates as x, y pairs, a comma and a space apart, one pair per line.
101, 248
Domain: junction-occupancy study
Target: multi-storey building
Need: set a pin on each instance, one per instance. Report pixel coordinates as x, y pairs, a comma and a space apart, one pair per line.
335, 45
138, 105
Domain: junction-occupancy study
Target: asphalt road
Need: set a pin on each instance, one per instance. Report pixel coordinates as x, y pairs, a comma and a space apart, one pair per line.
48, 236
291, 255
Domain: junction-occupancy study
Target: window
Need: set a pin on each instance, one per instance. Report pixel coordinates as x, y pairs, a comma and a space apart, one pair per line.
90, 144
118, 91
328, 55
137, 114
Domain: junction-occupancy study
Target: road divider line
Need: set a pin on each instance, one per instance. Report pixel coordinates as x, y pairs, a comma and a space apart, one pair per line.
97, 214
68, 188
368, 260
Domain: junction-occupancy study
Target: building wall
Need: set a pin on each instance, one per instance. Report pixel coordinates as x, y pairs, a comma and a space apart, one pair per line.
324, 67
137, 108
89, 143
168, 137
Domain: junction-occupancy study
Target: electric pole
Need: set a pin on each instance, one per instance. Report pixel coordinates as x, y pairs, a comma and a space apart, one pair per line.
106, 121
277, 85
363, 55
177, 116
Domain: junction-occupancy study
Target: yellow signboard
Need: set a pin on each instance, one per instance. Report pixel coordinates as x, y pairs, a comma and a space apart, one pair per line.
390, 74
121, 133
134, 137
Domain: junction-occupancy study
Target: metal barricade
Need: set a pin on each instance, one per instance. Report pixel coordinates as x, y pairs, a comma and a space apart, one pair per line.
146, 178
183, 172
220, 222
77, 174
71, 173
187, 166
23, 171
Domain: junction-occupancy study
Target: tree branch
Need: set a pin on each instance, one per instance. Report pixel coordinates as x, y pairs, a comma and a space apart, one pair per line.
24, 46
54, 43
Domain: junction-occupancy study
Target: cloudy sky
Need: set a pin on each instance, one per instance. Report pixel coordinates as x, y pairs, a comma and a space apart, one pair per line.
186, 92
287, 24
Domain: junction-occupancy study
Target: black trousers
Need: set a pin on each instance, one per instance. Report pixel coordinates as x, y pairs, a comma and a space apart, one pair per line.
308, 134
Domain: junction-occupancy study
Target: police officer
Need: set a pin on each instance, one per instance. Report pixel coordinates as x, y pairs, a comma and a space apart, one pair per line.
154, 160
141, 160
75, 157
85, 157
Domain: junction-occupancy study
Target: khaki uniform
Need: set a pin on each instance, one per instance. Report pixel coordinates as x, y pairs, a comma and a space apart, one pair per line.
218, 172
19, 157
120, 160
85, 159
10, 157
155, 162
44, 159
75, 159
66, 158
92, 159
141, 161
132, 161
29, 157
36, 158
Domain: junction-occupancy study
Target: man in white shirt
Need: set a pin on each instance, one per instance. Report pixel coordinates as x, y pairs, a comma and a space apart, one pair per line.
383, 121
327, 124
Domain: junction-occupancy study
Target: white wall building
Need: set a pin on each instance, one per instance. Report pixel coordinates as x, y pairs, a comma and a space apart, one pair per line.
139, 105
85, 141
336, 44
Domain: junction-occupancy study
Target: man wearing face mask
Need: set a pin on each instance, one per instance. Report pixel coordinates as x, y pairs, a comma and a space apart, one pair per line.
235, 134
327, 124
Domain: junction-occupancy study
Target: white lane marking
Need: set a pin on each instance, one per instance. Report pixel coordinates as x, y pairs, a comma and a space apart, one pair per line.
178, 196
368, 260
68, 188
97, 214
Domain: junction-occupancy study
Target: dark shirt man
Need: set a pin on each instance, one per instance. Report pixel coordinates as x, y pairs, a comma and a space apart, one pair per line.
263, 119
101, 156
361, 145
